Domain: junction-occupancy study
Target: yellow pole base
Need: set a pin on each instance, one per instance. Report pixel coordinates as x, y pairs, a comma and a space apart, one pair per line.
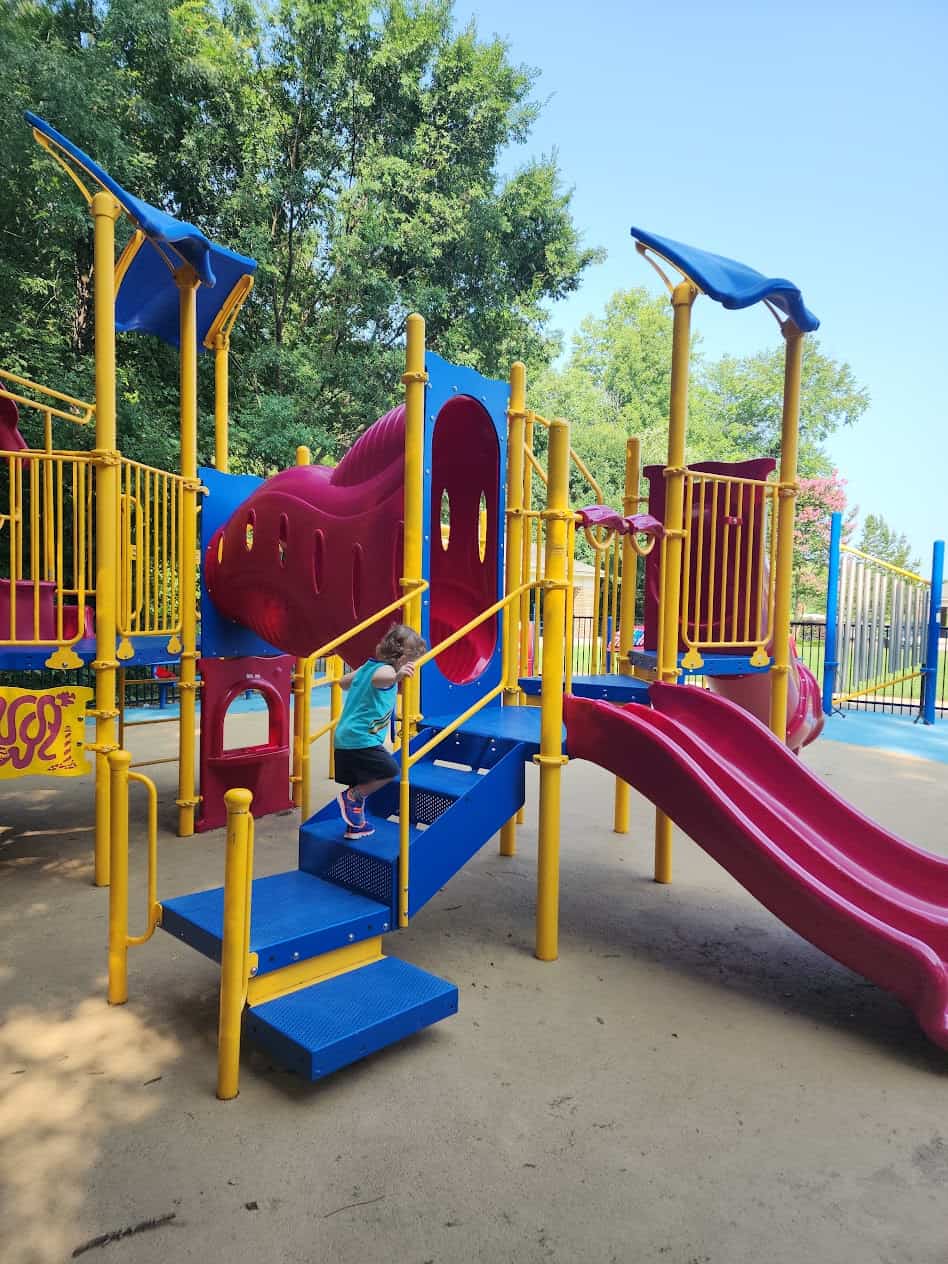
508, 838
663, 848
620, 824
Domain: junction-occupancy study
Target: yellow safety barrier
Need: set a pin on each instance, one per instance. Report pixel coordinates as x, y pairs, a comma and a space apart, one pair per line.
151, 506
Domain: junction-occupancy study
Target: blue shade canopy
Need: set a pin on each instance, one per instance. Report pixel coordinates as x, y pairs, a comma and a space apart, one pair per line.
148, 297
732, 284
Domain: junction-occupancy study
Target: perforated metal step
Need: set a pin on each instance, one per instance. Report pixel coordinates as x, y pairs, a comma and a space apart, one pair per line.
327, 1026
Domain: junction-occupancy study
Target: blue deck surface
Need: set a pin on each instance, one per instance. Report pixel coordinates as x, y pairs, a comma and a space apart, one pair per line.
327, 1026
293, 916
897, 734
608, 687
515, 724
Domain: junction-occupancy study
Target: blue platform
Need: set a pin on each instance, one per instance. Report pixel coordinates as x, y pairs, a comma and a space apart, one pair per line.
324, 1027
608, 687
713, 665
293, 916
147, 650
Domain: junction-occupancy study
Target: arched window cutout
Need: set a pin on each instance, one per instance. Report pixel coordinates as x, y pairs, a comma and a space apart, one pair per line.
482, 527
220, 547
357, 581
246, 727
248, 529
445, 519
283, 536
319, 559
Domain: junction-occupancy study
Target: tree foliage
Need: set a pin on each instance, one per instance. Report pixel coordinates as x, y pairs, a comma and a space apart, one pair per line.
351, 146
881, 540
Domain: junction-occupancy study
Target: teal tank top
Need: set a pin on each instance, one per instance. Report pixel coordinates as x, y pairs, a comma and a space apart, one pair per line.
367, 711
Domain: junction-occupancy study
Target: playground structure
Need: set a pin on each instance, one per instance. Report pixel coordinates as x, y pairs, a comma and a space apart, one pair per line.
882, 626
443, 516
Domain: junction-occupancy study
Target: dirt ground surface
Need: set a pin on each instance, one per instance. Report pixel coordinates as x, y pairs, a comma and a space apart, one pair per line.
690, 1083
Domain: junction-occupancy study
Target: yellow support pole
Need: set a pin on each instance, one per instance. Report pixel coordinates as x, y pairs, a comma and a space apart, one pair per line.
221, 403
119, 762
551, 757
335, 670
301, 706
789, 444
238, 875
514, 548
105, 211
683, 297
414, 379
187, 801
630, 561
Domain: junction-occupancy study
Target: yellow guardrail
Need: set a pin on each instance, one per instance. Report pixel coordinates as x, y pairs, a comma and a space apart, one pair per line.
77, 411
412, 757
119, 939
717, 609
151, 508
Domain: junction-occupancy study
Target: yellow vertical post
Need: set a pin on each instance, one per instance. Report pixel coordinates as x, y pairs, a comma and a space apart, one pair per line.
683, 297
551, 757
514, 551
414, 379
789, 443
187, 283
105, 211
302, 697
334, 669
238, 874
118, 761
221, 403
526, 564
629, 579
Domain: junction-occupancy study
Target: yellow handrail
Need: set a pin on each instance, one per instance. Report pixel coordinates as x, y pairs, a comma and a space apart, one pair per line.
119, 939
412, 591
410, 758
86, 411
877, 561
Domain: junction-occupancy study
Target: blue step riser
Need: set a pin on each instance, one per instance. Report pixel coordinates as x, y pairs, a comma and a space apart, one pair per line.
448, 844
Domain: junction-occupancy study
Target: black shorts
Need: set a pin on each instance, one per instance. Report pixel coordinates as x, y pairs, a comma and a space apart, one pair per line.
367, 763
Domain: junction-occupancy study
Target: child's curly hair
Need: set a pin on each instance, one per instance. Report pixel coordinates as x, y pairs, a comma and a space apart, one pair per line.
400, 642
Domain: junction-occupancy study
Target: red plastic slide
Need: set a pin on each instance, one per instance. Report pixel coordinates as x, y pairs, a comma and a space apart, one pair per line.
866, 897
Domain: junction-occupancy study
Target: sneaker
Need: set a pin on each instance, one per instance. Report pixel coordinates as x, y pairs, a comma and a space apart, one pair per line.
352, 809
366, 832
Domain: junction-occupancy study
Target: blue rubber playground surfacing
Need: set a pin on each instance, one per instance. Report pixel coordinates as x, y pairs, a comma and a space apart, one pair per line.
897, 734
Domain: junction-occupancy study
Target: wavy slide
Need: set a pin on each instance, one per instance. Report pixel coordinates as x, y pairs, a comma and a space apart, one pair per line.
869, 899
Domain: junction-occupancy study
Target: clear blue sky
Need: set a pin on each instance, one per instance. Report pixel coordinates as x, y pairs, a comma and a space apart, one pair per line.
807, 140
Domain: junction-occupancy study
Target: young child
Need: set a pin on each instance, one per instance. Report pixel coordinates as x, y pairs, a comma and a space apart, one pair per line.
363, 765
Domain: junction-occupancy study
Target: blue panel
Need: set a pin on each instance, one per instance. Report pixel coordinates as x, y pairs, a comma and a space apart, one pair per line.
293, 915
445, 381
730, 283
329, 1025
461, 831
514, 724
366, 866
608, 688
714, 664
222, 638
436, 779
146, 650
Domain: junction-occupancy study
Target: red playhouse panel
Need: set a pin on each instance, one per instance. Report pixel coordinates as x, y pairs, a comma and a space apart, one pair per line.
718, 520
314, 550
263, 769
40, 598
10, 438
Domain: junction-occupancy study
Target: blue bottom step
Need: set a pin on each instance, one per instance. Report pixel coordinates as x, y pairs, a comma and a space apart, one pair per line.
327, 1026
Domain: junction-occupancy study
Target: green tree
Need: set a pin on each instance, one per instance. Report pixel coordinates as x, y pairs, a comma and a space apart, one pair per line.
881, 540
352, 146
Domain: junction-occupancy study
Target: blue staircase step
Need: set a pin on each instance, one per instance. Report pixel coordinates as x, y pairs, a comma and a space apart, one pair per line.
293, 916
326, 1026
450, 783
508, 724
606, 686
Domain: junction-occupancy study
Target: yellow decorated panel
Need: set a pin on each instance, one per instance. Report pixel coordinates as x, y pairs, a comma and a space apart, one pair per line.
41, 732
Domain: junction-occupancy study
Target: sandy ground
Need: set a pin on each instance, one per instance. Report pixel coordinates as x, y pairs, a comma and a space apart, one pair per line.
690, 1083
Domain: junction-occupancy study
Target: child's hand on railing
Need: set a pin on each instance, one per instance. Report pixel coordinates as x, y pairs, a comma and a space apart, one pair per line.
405, 672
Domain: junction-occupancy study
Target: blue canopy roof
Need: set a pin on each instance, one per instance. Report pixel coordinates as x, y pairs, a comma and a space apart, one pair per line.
732, 284
148, 297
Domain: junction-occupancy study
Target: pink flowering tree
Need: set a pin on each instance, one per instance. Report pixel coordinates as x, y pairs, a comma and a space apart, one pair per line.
817, 500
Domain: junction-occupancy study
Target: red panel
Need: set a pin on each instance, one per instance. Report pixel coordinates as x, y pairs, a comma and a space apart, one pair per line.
263, 769
25, 598
465, 465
